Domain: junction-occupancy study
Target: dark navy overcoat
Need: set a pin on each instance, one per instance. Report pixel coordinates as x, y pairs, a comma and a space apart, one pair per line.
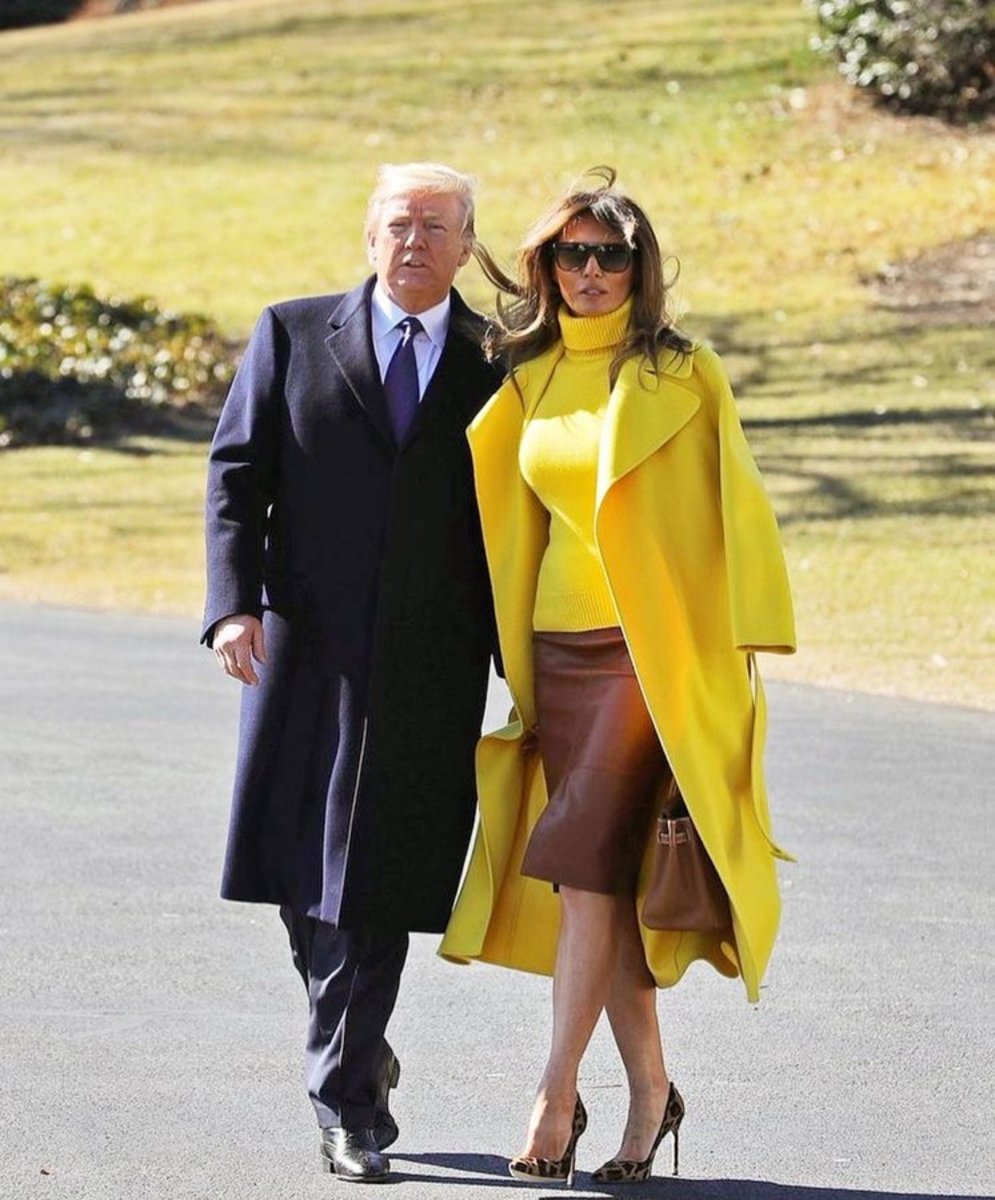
354, 789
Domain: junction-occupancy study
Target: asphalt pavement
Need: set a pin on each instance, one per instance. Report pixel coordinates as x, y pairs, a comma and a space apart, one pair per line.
150, 1034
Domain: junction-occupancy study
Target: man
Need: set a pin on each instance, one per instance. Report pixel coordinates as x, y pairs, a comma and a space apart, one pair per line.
347, 587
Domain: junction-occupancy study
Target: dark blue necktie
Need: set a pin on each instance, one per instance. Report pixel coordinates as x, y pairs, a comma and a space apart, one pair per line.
401, 381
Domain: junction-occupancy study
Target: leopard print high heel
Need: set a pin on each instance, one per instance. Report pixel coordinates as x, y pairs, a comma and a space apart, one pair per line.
627, 1170
544, 1170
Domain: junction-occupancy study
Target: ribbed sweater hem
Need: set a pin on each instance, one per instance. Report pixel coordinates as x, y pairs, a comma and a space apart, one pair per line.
573, 612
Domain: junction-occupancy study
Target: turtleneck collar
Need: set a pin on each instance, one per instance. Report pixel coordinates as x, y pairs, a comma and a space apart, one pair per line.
594, 335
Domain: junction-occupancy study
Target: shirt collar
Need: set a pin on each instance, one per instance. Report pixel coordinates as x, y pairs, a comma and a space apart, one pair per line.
386, 315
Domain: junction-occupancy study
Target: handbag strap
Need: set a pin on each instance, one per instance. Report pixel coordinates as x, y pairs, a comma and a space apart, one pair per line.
672, 803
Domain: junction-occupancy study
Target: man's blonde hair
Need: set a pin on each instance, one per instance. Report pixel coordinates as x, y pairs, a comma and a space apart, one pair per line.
434, 179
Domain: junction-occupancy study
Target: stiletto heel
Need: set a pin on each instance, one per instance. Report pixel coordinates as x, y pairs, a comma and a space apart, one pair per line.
627, 1170
543, 1170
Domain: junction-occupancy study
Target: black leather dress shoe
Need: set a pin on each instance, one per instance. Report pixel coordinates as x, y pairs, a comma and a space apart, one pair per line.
353, 1154
384, 1126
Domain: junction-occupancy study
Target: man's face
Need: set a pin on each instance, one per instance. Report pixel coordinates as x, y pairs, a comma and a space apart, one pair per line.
417, 245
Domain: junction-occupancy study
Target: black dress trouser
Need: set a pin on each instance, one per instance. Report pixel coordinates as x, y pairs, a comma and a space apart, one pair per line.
352, 978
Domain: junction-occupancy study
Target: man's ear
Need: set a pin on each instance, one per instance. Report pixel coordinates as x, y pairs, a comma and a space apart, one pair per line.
467, 251
371, 250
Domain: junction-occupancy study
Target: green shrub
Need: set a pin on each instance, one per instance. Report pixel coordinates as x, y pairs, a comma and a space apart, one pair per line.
74, 366
917, 56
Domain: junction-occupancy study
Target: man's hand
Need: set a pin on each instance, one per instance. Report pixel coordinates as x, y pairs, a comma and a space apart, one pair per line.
238, 640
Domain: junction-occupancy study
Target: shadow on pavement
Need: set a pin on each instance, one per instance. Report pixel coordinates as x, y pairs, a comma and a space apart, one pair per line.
754, 1189
659, 1186
474, 1165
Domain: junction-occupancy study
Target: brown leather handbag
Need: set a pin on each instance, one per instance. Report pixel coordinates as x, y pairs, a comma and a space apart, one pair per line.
685, 891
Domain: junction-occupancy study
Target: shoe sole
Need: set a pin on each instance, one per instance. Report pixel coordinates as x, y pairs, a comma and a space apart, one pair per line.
525, 1177
325, 1167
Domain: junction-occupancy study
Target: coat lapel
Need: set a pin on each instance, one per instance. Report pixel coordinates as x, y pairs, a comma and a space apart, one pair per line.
446, 392
443, 389
350, 343
645, 410
532, 378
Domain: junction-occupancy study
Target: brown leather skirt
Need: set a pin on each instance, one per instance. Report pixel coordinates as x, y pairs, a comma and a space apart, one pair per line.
603, 763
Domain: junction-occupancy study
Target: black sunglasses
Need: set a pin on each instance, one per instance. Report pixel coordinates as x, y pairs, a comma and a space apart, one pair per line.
610, 256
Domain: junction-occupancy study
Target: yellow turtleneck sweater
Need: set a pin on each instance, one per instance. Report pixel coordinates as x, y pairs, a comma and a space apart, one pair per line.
558, 458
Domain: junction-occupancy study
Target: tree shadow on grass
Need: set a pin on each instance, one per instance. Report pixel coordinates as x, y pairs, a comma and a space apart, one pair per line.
776, 366
965, 421
860, 463
884, 450
837, 489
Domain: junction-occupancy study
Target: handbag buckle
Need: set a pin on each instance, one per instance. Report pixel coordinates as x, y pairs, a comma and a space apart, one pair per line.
671, 832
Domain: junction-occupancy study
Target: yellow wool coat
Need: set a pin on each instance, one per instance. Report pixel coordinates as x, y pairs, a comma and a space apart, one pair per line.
691, 551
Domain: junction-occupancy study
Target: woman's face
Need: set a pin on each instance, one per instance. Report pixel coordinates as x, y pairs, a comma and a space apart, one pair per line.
590, 290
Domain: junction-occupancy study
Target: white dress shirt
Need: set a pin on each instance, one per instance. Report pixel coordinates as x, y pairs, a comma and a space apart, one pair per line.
386, 315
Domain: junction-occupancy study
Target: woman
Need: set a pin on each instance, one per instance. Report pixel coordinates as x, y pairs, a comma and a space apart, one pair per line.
636, 567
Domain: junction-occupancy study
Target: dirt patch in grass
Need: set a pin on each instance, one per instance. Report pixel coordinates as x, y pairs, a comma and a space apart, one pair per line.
953, 284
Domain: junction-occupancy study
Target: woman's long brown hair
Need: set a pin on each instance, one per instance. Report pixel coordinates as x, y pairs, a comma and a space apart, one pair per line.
528, 325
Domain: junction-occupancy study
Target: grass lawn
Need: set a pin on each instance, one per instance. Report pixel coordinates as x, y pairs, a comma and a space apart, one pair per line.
218, 156
881, 471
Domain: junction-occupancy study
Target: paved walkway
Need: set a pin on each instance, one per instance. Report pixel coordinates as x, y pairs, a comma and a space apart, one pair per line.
150, 1034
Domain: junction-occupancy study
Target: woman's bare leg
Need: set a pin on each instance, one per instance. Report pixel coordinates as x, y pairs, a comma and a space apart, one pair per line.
582, 980
631, 1009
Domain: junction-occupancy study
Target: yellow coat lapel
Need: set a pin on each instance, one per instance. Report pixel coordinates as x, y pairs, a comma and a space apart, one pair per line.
644, 411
